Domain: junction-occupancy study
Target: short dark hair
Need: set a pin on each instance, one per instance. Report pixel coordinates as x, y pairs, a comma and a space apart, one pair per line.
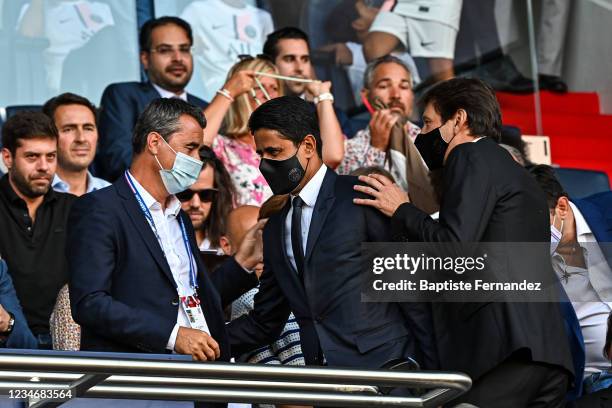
144, 39
67, 98
270, 48
291, 116
162, 116
27, 125
549, 183
472, 95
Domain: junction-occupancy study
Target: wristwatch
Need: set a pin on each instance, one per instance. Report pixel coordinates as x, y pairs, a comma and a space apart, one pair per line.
11, 325
327, 96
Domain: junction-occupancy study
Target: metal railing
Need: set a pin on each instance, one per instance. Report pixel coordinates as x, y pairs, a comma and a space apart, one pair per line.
93, 375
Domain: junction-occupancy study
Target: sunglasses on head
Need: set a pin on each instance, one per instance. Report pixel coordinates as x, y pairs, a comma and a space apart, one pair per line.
207, 195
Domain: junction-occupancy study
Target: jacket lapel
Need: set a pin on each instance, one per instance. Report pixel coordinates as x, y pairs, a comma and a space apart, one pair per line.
323, 205
142, 226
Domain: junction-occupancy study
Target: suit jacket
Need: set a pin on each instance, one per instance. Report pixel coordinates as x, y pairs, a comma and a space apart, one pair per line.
327, 304
21, 337
597, 212
120, 107
487, 197
122, 291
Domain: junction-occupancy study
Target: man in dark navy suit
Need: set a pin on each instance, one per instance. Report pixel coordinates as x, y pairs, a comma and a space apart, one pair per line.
312, 256
135, 284
165, 53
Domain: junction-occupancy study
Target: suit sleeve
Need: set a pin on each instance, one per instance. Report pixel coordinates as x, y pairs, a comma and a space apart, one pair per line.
466, 206
92, 253
117, 119
232, 281
264, 324
21, 337
418, 315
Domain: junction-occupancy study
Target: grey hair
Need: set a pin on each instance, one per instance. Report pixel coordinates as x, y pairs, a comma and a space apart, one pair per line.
368, 76
162, 116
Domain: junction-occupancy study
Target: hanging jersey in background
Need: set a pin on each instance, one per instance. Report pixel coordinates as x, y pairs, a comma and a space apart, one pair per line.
221, 33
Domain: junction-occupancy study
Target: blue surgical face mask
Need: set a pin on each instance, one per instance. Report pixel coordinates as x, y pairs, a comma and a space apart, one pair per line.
183, 174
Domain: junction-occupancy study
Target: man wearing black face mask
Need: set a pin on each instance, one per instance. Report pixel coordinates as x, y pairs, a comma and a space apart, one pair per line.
487, 197
312, 254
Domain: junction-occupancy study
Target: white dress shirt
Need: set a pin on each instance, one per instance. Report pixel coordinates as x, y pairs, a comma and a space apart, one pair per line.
589, 290
309, 194
167, 94
169, 230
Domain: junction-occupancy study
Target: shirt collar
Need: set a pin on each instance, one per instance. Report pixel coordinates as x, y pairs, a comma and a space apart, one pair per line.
167, 94
310, 191
174, 205
582, 228
60, 185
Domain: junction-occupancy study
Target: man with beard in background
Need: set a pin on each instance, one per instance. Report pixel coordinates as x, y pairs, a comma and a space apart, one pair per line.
33, 218
165, 53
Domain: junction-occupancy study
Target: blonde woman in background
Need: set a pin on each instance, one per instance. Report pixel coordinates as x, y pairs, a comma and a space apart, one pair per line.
227, 125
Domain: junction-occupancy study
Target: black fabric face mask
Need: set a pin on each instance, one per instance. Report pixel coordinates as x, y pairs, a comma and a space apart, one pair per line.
432, 148
283, 176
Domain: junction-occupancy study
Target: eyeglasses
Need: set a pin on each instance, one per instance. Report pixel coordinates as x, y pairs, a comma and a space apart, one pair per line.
167, 51
247, 57
207, 195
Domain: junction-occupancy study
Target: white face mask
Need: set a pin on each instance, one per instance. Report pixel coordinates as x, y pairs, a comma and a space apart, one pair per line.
555, 235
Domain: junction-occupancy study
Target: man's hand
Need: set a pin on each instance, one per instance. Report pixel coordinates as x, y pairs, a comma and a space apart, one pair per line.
4, 319
240, 82
380, 128
317, 88
250, 252
387, 195
259, 269
196, 343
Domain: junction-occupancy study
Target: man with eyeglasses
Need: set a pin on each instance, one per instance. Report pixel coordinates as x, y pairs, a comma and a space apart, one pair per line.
165, 53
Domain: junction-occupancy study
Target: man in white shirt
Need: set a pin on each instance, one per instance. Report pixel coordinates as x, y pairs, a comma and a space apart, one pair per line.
137, 282
581, 259
75, 120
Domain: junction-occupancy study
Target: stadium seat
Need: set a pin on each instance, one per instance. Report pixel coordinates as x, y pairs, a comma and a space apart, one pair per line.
11, 110
580, 183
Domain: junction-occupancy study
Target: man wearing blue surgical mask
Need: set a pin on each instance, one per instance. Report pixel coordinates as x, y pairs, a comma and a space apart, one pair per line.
137, 282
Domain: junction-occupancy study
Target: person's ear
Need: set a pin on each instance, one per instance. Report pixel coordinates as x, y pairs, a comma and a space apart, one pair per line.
563, 208
309, 144
225, 244
154, 142
144, 59
460, 120
7, 157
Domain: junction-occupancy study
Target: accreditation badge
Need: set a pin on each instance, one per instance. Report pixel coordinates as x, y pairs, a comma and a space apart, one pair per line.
192, 308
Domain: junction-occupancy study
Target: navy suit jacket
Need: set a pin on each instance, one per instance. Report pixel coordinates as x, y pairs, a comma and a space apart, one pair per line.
597, 212
327, 304
21, 337
120, 107
122, 291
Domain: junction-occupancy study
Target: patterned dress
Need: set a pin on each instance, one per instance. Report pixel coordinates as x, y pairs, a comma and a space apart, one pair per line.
242, 163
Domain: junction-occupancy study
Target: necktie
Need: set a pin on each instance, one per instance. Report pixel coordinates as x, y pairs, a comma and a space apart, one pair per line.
296, 234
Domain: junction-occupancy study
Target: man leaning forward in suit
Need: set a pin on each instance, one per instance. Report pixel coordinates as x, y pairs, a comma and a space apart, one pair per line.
137, 283
312, 254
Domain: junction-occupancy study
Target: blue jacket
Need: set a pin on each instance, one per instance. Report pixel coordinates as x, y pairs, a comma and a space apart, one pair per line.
122, 291
21, 337
120, 107
597, 212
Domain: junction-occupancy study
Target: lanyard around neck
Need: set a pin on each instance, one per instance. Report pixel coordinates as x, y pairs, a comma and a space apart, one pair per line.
192, 278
